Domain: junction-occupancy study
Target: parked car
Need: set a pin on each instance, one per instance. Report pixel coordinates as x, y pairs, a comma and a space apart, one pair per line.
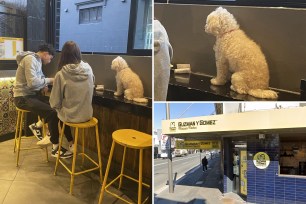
165, 155
180, 152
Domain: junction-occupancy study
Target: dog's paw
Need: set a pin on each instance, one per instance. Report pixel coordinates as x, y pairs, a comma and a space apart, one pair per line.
128, 98
239, 90
217, 82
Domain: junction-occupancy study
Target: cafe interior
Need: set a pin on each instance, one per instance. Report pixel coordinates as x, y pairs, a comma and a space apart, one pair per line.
114, 151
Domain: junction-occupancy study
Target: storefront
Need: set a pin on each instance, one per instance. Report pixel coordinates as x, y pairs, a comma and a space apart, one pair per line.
263, 152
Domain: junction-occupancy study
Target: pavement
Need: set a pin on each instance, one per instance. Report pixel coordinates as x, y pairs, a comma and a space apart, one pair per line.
33, 180
198, 187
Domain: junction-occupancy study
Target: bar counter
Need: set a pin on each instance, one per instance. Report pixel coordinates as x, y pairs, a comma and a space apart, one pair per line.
116, 113
106, 98
196, 87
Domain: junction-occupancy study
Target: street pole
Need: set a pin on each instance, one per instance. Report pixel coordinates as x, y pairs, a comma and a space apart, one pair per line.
200, 158
170, 177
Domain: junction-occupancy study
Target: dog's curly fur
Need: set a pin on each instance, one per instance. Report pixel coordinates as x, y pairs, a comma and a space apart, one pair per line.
238, 57
127, 81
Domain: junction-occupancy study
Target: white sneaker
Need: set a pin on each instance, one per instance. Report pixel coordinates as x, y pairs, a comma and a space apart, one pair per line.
44, 142
64, 154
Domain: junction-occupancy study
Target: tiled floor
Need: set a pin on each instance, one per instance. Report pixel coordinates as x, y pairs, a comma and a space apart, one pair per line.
33, 181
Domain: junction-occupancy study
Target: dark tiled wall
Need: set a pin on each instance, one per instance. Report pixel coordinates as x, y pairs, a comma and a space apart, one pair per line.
265, 186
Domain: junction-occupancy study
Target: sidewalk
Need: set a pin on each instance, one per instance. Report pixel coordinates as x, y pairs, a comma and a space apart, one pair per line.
199, 187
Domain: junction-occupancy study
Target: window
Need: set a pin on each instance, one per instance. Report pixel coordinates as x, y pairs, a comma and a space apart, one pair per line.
12, 34
141, 28
143, 31
90, 15
292, 159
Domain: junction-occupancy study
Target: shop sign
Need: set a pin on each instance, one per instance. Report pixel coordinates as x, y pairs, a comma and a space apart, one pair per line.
243, 172
197, 144
191, 124
261, 160
10, 47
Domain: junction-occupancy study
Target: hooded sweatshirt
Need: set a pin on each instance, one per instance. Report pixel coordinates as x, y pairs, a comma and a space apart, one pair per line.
162, 57
72, 93
29, 75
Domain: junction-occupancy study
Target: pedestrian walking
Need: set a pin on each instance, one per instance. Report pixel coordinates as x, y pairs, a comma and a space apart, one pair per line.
204, 163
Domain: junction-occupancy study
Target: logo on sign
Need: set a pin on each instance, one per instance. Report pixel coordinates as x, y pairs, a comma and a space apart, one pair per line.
172, 126
261, 160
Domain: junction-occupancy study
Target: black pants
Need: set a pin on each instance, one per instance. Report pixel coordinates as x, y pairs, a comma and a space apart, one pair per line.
204, 167
39, 104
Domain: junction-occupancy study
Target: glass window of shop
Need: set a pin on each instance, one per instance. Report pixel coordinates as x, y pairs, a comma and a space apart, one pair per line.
143, 28
12, 34
292, 154
90, 15
103, 27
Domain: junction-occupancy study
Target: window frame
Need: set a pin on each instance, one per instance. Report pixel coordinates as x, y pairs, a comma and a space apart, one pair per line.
132, 31
89, 15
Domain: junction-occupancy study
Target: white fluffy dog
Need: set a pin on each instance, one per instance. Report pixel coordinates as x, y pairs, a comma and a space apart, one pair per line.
127, 81
238, 57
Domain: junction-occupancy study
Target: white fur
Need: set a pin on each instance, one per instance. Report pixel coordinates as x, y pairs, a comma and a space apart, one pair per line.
238, 57
128, 82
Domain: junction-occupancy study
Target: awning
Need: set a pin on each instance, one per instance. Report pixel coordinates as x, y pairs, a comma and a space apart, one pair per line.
291, 120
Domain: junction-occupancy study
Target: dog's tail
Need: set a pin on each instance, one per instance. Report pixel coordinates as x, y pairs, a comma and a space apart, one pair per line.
140, 100
261, 93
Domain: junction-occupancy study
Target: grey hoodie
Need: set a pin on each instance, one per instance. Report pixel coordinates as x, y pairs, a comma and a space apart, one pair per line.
29, 75
72, 93
162, 57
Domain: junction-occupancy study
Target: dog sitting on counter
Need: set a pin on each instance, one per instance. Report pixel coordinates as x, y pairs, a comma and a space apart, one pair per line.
238, 58
128, 82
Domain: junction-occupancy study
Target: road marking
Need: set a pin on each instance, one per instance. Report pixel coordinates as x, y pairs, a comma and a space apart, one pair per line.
177, 160
161, 190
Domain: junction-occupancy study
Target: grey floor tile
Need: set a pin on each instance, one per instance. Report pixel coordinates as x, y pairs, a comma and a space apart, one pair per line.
43, 192
4, 188
8, 172
34, 182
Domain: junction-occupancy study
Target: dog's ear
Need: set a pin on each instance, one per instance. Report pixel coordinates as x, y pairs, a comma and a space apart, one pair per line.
227, 20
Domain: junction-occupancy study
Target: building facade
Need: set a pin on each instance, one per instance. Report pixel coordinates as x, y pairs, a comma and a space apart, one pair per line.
263, 151
103, 26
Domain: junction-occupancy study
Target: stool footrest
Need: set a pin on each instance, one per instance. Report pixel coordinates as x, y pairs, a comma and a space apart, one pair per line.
93, 161
28, 148
117, 196
27, 137
133, 179
81, 172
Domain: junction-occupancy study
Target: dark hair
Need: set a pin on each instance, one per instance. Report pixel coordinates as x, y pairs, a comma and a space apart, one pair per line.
71, 54
46, 48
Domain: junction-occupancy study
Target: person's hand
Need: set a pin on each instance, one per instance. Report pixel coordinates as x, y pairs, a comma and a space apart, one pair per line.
50, 80
44, 90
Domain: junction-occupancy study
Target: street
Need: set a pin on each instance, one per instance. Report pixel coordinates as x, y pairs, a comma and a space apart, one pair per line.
180, 166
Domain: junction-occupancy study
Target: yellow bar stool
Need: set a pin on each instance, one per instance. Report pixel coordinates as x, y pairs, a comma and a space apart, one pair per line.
18, 134
128, 138
92, 123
